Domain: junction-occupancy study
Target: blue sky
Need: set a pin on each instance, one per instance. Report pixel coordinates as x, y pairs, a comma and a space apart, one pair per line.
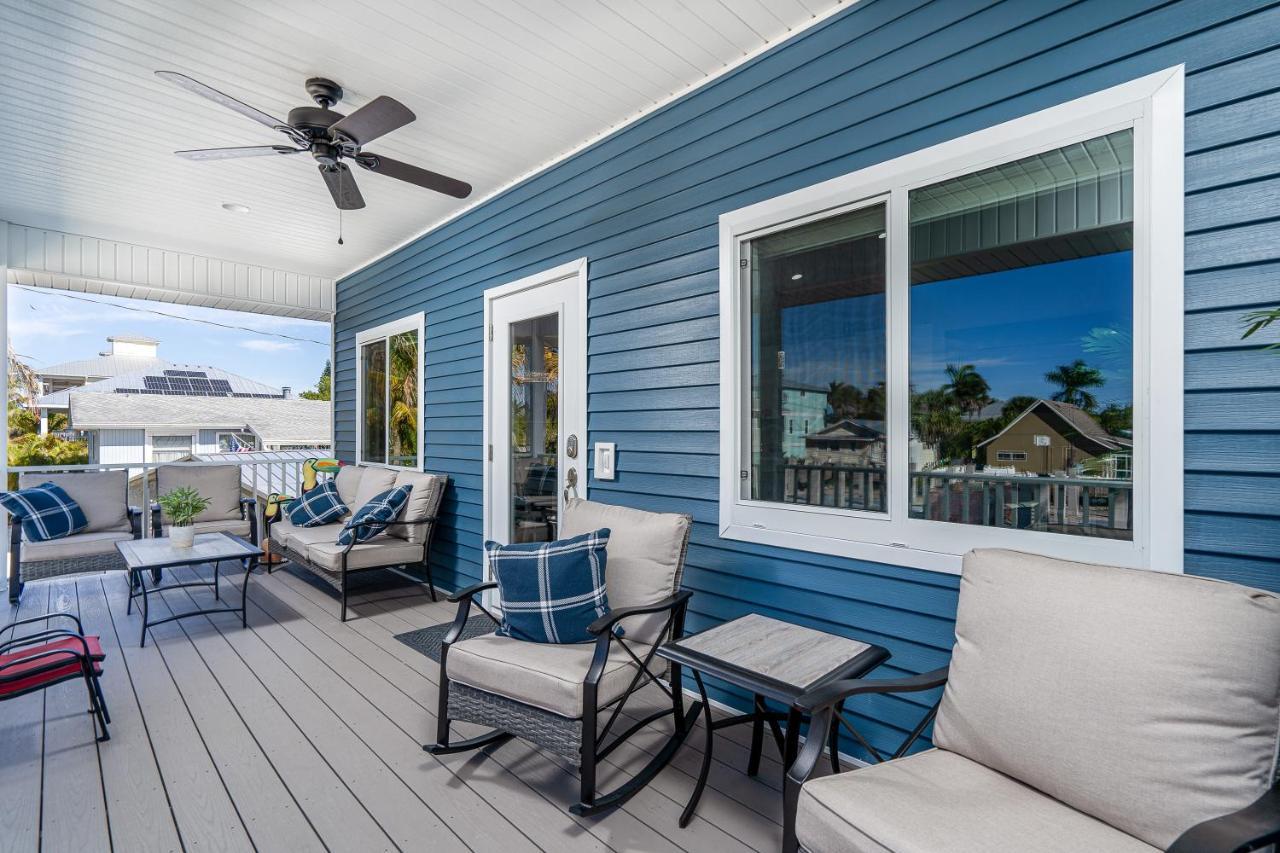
49, 326
1012, 326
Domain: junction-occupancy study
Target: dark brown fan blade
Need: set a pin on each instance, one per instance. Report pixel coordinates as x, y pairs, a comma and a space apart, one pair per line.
219, 98
230, 153
342, 186
414, 175
376, 118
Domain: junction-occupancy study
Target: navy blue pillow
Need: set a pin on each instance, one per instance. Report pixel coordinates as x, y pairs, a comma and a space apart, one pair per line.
319, 506
45, 511
384, 507
551, 591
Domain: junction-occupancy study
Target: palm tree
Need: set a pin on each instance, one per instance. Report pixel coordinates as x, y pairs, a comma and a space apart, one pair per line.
966, 385
403, 417
1074, 380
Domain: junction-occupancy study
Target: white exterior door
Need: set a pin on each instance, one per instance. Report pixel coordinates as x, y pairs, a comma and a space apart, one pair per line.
535, 403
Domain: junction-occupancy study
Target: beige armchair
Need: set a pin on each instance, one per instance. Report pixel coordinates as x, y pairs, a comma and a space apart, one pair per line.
229, 511
1086, 708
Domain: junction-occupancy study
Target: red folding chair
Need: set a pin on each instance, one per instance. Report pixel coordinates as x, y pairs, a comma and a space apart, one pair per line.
50, 657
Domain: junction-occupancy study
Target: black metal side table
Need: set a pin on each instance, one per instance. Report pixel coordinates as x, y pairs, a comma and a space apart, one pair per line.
152, 556
773, 660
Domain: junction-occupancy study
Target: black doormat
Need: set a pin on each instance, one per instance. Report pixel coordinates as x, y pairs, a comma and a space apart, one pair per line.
429, 640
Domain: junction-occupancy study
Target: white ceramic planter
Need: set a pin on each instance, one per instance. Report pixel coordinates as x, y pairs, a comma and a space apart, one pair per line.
182, 537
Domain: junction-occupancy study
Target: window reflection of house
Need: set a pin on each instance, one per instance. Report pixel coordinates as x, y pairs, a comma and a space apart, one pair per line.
1058, 438
804, 408
847, 442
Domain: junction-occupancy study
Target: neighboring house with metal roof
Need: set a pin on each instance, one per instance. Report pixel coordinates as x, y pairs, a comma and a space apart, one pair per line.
124, 354
1051, 437
134, 427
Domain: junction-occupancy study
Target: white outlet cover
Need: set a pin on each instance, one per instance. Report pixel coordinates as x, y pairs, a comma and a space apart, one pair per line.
606, 460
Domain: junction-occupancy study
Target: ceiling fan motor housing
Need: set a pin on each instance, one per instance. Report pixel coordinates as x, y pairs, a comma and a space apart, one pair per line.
324, 91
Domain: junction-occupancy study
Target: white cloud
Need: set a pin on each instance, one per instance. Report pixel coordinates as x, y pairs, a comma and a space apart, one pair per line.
268, 346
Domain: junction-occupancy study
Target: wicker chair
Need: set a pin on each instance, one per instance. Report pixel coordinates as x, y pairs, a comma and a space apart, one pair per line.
402, 543
103, 496
229, 512
554, 695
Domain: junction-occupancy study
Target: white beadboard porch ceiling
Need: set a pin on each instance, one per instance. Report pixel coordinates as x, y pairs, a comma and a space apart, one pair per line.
500, 88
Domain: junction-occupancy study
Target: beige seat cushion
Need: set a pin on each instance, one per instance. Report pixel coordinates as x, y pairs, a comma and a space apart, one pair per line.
219, 483
544, 675
348, 482
1147, 699
939, 801
79, 545
381, 550
236, 527
373, 482
102, 496
645, 557
299, 538
424, 502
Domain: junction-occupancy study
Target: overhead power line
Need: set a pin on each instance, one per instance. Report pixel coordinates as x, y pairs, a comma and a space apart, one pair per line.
64, 294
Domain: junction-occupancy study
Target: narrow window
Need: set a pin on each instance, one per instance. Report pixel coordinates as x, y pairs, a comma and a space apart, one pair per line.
389, 411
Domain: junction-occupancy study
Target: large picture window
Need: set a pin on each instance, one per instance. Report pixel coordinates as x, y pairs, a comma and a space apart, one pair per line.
968, 346
389, 362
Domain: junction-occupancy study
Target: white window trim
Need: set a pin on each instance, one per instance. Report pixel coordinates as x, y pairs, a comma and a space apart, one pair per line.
1153, 107
217, 437
414, 322
150, 433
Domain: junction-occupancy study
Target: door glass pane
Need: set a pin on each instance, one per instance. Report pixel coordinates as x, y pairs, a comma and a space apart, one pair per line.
373, 395
403, 394
535, 421
1022, 343
818, 374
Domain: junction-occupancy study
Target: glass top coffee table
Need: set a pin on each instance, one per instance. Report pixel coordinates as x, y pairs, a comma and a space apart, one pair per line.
773, 660
152, 556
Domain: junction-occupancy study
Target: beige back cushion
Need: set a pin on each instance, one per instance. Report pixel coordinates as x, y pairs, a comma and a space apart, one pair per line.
219, 483
102, 495
424, 502
645, 557
1146, 699
373, 482
349, 483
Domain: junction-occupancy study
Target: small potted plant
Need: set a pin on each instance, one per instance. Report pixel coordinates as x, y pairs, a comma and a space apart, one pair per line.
181, 506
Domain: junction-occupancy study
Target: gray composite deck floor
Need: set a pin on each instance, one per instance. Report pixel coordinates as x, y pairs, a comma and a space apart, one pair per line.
302, 733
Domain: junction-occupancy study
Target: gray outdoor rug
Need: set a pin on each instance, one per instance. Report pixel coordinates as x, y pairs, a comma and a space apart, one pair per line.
428, 640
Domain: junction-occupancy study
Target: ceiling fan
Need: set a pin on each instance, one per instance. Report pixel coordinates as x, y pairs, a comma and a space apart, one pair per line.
329, 137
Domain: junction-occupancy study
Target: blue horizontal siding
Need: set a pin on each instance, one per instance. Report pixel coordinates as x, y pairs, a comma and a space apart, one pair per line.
881, 79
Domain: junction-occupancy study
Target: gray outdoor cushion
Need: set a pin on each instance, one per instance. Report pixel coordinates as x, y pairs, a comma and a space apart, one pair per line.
236, 527
424, 502
219, 483
939, 801
79, 545
545, 675
102, 495
348, 478
1146, 699
381, 550
373, 482
284, 533
645, 557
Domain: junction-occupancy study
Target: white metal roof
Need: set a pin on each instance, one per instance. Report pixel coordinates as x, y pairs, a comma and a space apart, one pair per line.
103, 367
499, 88
275, 421
135, 380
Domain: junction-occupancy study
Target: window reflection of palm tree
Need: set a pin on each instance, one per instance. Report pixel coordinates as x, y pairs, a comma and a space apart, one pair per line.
403, 417
1074, 381
970, 390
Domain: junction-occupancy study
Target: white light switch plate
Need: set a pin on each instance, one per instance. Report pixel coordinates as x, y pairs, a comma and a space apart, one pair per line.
606, 460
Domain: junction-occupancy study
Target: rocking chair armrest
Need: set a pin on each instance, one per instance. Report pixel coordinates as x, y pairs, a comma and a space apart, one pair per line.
837, 691
1249, 828
472, 591
29, 620
607, 621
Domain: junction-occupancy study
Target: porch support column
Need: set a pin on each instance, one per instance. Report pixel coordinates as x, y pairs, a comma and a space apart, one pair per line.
4, 340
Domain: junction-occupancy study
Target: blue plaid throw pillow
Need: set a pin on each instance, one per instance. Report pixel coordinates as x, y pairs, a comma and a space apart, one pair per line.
319, 506
386, 506
46, 512
551, 591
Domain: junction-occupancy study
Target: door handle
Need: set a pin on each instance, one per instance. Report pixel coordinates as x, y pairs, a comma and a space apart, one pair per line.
571, 447
570, 482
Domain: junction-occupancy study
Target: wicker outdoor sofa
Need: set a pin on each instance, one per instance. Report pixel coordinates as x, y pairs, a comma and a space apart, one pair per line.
103, 496
402, 544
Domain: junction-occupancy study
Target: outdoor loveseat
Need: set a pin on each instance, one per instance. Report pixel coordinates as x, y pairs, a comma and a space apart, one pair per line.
403, 543
104, 498
1085, 708
229, 511
555, 695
